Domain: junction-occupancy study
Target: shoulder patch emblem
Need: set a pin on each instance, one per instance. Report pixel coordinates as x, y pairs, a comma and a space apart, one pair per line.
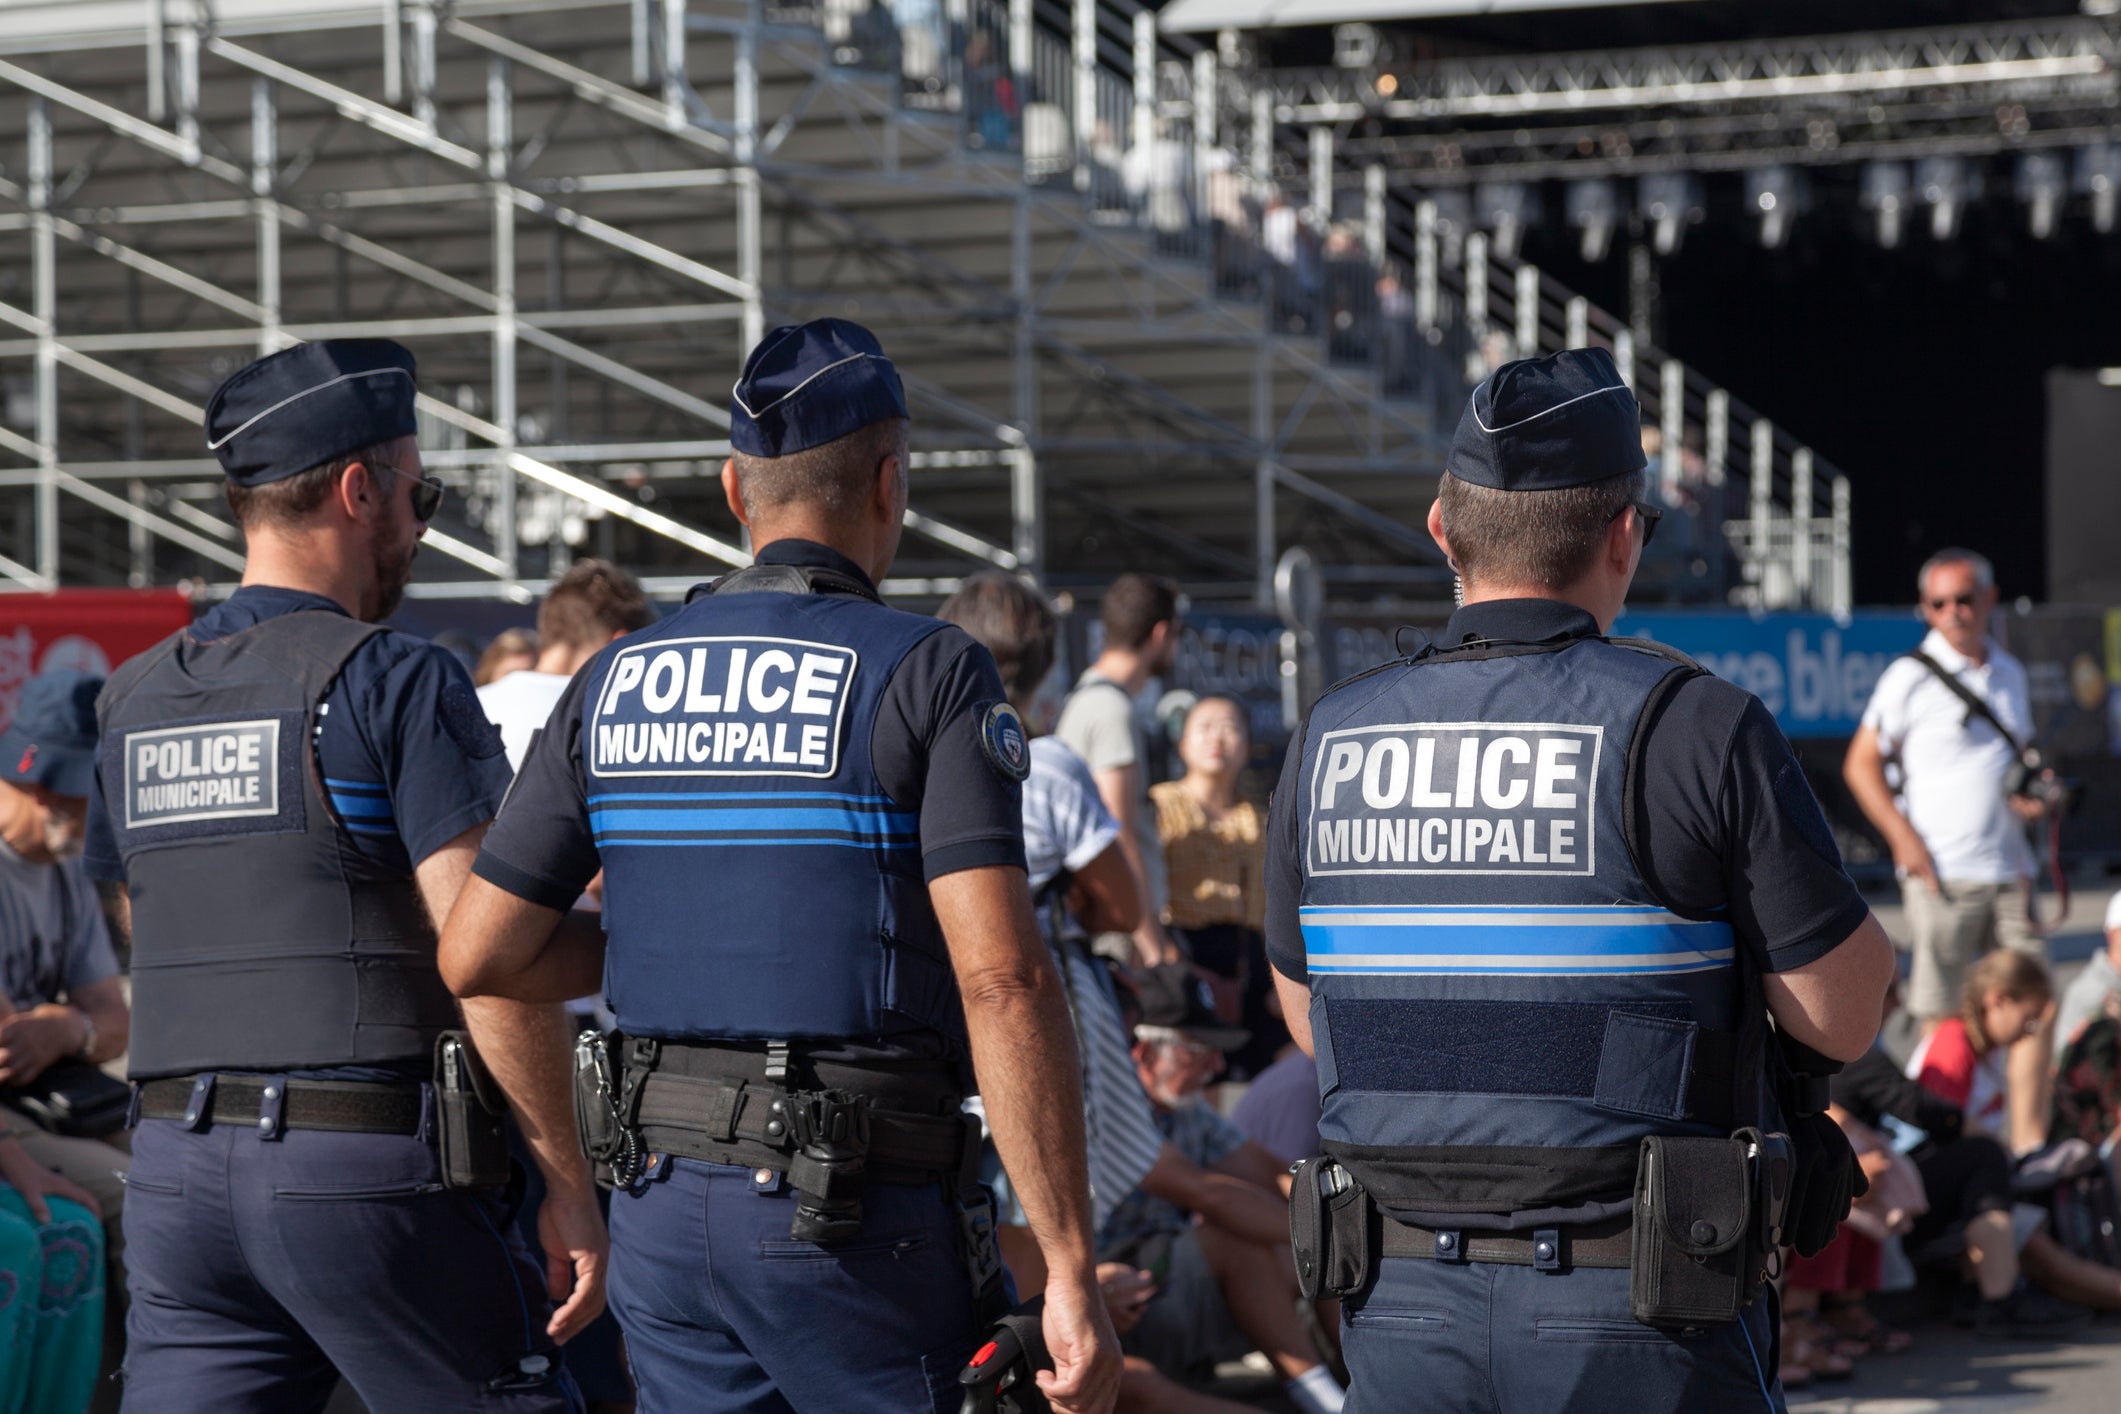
465, 721
1002, 737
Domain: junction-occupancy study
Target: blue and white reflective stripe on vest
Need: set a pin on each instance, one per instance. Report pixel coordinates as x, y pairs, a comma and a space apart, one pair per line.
1525, 941
710, 818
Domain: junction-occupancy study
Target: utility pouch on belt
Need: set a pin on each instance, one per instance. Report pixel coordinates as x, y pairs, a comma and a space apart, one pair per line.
1330, 1229
596, 1098
1695, 1231
472, 1117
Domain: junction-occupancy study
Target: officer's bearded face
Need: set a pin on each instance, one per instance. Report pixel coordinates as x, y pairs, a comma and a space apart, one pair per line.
397, 538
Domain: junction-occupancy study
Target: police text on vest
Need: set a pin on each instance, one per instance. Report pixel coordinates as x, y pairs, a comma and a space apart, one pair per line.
1454, 798
216, 771
722, 707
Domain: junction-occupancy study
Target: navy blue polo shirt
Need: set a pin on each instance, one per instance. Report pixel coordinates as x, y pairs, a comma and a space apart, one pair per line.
1726, 818
406, 755
925, 748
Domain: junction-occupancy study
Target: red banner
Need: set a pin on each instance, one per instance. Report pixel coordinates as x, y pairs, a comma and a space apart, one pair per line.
90, 629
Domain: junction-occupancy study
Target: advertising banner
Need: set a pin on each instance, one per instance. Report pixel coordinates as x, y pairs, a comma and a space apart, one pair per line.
1815, 673
93, 630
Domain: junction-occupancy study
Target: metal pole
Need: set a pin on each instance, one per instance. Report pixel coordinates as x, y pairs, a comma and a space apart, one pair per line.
749, 219
1717, 434
45, 305
1671, 410
1322, 176
1021, 28
1843, 595
394, 52
1527, 310
643, 44
157, 62
187, 94
1263, 528
1624, 355
1144, 82
1082, 57
1801, 524
1373, 212
264, 172
1577, 319
1760, 475
423, 63
1477, 283
500, 145
1425, 272
1026, 492
674, 58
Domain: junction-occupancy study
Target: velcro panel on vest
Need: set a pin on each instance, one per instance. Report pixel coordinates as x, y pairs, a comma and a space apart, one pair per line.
326, 1028
1487, 1178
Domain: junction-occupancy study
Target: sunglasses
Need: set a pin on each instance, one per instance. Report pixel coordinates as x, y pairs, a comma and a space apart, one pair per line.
426, 492
1650, 516
1964, 601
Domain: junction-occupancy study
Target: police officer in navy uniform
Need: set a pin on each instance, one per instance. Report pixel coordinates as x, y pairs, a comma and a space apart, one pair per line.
1528, 893
292, 796
805, 806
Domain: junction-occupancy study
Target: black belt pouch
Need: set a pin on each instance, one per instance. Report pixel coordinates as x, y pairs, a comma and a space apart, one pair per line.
1332, 1226
472, 1116
1693, 1219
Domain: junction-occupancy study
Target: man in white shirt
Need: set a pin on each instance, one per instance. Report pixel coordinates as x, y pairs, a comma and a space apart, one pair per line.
588, 606
1958, 840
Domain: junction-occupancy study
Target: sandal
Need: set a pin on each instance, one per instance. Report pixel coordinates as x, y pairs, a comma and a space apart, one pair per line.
1808, 1343
1853, 1322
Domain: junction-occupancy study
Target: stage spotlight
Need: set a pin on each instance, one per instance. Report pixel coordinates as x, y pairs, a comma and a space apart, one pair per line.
1945, 185
2099, 177
1592, 208
1506, 208
2042, 183
1775, 194
1884, 191
1669, 201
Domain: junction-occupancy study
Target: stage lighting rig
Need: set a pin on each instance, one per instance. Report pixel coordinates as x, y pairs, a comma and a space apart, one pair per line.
1945, 185
2042, 182
1884, 193
2098, 176
1776, 195
1593, 208
1506, 208
1670, 202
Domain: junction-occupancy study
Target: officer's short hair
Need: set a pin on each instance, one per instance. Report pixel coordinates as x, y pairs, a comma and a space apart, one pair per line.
286, 503
1984, 572
592, 601
1535, 539
1014, 623
1134, 606
836, 476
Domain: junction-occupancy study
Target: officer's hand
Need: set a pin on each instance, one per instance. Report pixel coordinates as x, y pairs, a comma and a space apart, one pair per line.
1911, 858
36, 1183
1086, 1364
577, 1257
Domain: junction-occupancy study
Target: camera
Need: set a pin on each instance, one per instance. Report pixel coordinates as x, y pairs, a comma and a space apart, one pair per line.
2031, 777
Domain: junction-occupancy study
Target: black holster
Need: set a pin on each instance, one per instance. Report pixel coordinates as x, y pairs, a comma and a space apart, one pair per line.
1332, 1230
603, 1106
471, 1117
1707, 1226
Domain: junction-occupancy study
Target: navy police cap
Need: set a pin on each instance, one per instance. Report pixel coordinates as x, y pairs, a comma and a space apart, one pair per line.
809, 384
304, 406
1540, 424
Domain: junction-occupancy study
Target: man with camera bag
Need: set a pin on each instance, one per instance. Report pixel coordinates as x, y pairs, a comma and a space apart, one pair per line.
1533, 896
1956, 717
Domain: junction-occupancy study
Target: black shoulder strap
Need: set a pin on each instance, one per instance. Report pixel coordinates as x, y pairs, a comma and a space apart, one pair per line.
1975, 707
786, 579
1659, 650
1636, 766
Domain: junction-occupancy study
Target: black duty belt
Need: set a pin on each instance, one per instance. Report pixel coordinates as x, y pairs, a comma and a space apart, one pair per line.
1600, 1244
726, 1121
272, 1103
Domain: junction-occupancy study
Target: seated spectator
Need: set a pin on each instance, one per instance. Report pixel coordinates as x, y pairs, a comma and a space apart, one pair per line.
2006, 997
512, 650
51, 1287
61, 999
1215, 854
1213, 1226
2096, 992
1279, 1109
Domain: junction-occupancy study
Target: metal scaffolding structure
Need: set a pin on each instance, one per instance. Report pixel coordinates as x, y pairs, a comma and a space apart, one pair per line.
1122, 345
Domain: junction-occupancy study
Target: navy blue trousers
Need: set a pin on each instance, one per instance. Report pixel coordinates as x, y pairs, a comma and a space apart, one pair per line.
1489, 1337
725, 1314
261, 1271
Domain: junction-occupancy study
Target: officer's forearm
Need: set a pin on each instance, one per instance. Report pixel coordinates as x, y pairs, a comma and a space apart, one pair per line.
498, 945
529, 1049
1023, 1051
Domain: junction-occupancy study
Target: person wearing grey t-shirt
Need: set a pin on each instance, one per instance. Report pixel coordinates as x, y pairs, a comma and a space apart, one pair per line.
1140, 616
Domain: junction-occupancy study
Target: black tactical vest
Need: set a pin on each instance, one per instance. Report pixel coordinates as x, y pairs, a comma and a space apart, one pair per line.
263, 938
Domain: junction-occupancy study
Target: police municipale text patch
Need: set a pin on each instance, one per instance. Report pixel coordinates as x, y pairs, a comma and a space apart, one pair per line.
1002, 737
722, 706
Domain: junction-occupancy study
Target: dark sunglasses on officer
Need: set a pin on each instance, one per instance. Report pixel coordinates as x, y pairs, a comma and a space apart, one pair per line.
426, 492
1647, 513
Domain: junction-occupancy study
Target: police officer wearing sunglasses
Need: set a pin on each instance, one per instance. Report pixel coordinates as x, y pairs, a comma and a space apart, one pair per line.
292, 795
1532, 895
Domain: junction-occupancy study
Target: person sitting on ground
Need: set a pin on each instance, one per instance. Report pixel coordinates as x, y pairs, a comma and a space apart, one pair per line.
51, 1287
2006, 997
1215, 855
512, 651
2096, 991
61, 999
1228, 1282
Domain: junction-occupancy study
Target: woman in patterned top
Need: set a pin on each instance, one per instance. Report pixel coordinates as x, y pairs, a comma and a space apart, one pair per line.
1214, 854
